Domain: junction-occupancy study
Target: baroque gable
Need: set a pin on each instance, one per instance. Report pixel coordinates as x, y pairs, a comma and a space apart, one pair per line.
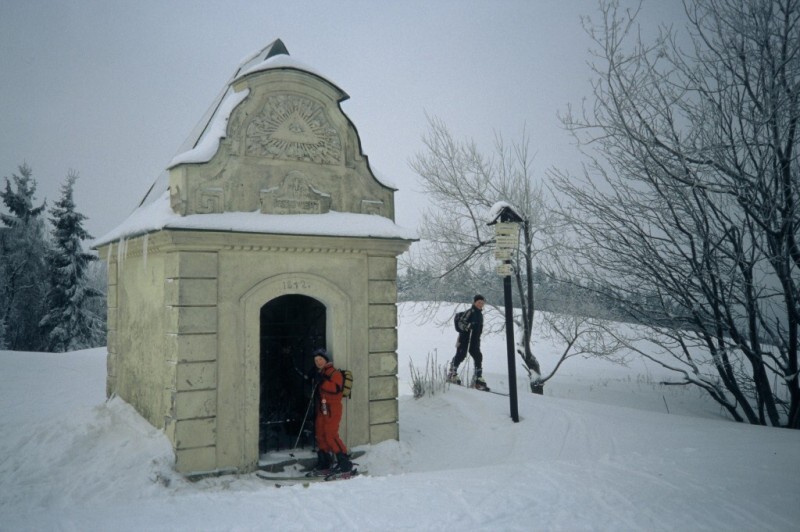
288, 149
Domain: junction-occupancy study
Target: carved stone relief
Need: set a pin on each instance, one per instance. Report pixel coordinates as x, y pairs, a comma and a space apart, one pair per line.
295, 128
210, 200
176, 200
296, 195
372, 207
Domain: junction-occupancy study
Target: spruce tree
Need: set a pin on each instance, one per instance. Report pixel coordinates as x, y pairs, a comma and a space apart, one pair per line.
70, 322
3, 334
23, 278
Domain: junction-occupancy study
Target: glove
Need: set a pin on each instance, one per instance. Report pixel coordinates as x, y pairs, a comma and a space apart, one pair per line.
312, 375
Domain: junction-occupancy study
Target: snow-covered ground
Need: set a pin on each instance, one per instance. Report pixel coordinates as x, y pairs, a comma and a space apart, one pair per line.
597, 452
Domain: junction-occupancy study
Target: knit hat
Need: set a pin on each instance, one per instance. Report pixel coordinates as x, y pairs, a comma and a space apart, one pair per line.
320, 352
478, 297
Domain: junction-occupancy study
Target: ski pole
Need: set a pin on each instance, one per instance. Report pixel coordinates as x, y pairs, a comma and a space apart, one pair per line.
308, 409
468, 356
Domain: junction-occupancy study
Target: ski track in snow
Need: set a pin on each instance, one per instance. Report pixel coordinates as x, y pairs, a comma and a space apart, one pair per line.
69, 460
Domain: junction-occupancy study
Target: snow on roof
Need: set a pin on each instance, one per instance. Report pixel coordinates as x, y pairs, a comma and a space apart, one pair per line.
208, 144
203, 141
280, 61
215, 129
381, 177
494, 212
205, 138
159, 215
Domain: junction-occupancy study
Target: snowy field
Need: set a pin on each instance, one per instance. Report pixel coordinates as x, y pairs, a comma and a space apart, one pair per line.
599, 451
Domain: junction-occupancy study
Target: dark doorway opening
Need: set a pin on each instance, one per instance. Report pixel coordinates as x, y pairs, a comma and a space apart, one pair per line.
292, 326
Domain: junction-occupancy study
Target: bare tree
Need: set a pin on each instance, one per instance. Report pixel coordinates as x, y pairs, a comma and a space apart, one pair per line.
463, 185
691, 192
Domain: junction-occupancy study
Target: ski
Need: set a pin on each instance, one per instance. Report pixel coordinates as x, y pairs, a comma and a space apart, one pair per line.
305, 480
488, 390
287, 461
343, 475
322, 473
286, 480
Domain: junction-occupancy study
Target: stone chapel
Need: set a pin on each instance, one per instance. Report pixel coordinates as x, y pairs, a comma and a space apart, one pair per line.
267, 236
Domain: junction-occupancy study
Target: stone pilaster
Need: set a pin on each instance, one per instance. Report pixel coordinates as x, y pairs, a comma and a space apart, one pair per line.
382, 299
191, 344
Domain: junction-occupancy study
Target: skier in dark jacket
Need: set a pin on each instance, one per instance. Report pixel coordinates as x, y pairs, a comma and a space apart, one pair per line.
471, 323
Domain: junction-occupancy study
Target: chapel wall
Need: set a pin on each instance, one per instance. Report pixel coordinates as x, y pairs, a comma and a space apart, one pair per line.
137, 321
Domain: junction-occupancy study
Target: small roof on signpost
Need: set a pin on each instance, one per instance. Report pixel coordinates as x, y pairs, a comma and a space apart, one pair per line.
503, 211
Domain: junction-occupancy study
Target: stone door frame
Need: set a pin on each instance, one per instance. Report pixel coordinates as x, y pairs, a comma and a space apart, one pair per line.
338, 317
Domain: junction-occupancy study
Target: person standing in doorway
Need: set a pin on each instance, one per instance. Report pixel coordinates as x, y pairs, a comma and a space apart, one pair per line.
470, 325
330, 383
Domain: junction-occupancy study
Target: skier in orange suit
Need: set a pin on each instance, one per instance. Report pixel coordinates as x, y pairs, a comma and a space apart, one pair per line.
330, 382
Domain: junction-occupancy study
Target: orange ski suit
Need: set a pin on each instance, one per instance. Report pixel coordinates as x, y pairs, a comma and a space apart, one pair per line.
326, 426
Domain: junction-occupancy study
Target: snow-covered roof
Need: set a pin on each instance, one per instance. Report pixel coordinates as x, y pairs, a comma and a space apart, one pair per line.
203, 141
154, 211
159, 215
215, 121
208, 144
497, 209
205, 136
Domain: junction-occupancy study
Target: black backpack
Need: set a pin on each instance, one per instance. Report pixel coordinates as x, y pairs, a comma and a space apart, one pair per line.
457, 321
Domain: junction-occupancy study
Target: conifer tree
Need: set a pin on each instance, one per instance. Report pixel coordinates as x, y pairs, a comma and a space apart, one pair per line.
70, 322
23, 279
2, 334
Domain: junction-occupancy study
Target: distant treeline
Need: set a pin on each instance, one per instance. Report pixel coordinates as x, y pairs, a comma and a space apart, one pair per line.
551, 294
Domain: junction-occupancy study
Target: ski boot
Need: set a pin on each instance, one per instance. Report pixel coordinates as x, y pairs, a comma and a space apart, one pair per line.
343, 463
343, 469
478, 382
452, 375
323, 466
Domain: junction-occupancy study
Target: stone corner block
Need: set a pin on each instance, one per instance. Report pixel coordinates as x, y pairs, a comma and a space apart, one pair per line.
196, 461
384, 432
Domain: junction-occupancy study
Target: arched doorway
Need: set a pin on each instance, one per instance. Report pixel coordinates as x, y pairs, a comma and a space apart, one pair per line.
291, 327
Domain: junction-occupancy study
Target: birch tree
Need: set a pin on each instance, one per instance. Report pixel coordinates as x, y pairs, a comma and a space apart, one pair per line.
463, 184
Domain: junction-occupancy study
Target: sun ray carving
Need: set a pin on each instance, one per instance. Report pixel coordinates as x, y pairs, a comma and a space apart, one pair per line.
295, 128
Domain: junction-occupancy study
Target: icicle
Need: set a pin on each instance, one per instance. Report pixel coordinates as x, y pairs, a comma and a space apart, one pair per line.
122, 250
144, 251
108, 257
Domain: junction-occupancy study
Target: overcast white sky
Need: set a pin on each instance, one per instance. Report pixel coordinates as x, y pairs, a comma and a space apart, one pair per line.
111, 89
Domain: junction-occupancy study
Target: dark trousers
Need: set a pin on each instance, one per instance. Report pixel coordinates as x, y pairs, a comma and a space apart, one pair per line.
467, 343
